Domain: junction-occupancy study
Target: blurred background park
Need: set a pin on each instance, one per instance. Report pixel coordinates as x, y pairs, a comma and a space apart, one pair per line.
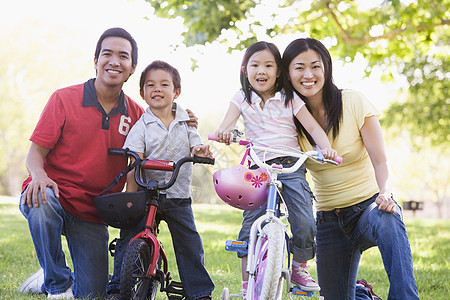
396, 52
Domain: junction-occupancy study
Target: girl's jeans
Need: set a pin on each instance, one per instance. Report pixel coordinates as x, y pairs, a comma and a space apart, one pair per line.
87, 243
187, 245
297, 196
343, 234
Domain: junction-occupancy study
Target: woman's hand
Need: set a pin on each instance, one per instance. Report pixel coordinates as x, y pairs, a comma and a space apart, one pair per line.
385, 202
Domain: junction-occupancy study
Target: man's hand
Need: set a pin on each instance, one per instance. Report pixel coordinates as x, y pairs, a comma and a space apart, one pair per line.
193, 120
35, 186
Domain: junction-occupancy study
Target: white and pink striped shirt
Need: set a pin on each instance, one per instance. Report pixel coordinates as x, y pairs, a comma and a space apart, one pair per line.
271, 126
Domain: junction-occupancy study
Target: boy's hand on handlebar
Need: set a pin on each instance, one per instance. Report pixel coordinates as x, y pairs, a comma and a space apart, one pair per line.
38, 185
329, 153
203, 151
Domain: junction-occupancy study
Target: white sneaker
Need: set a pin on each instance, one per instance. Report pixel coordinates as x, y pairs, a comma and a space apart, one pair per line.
33, 283
66, 295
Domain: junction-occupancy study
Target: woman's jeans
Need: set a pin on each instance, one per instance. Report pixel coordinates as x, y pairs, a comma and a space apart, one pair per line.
297, 196
343, 234
187, 244
87, 243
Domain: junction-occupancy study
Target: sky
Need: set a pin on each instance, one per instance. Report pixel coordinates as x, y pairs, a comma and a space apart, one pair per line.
207, 89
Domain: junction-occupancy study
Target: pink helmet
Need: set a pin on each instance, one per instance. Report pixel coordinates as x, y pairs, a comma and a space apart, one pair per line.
241, 187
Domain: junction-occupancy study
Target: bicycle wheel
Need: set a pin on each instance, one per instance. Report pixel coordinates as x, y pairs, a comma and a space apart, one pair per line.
269, 258
133, 283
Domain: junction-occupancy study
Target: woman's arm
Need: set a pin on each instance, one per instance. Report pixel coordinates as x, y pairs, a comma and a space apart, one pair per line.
316, 132
229, 121
372, 136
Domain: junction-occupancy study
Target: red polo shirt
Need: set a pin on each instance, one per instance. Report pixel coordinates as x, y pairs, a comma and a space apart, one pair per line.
78, 132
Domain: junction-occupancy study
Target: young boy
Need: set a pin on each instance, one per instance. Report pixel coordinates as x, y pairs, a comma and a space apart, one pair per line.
162, 133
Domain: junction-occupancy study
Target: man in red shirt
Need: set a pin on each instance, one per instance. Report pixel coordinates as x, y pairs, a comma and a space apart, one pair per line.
69, 165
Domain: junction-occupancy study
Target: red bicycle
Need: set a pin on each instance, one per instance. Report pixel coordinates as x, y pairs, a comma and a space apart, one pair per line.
145, 264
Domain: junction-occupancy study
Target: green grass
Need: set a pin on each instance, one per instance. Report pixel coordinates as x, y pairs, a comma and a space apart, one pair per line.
430, 244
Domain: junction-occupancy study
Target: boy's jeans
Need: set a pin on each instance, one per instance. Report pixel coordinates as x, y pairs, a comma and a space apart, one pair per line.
87, 243
187, 245
343, 234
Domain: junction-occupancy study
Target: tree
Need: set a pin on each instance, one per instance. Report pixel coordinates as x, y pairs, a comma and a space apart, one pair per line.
400, 36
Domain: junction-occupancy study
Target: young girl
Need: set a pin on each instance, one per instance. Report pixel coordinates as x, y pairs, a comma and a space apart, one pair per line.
268, 121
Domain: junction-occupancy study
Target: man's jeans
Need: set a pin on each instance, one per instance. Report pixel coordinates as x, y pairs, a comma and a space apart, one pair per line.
187, 244
343, 234
87, 243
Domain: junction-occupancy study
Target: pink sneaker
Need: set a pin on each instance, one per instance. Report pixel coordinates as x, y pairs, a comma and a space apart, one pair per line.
301, 278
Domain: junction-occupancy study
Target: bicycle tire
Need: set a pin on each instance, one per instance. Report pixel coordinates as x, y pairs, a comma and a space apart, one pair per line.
133, 284
268, 263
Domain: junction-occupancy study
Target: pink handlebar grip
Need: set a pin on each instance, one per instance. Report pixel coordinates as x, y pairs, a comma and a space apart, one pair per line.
212, 137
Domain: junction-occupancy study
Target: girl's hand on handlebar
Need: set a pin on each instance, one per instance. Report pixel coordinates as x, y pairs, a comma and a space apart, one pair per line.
329, 153
223, 136
202, 150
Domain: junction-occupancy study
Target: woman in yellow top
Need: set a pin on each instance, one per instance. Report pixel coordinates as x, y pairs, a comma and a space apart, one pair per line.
355, 208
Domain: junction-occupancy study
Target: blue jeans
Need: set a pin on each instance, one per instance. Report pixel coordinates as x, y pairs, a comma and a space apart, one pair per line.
297, 196
187, 245
343, 234
87, 243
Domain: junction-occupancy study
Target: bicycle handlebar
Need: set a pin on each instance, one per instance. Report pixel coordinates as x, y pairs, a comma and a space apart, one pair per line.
151, 164
312, 154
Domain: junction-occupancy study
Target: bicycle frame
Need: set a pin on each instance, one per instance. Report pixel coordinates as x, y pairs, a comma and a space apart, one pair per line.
148, 234
257, 240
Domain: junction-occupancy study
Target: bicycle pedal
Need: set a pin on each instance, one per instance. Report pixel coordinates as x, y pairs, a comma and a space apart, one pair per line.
296, 291
236, 246
175, 287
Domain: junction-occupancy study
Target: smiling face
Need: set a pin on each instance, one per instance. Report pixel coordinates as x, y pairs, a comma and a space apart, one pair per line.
306, 72
262, 72
114, 63
158, 90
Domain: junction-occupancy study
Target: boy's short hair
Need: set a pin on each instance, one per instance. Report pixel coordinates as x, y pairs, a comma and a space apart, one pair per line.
161, 65
122, 33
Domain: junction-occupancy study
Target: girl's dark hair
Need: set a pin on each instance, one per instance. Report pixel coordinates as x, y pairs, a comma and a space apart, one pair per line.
257, 47
331, 95
122, 33
161, 65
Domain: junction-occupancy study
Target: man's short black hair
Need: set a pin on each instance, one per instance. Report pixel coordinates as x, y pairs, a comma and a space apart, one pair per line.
118, 32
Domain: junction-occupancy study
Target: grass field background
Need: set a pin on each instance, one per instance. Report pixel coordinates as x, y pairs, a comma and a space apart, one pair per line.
429, 238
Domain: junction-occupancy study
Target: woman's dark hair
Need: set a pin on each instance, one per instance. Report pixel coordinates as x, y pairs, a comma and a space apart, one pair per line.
161, 65
122, 33
257, 47
331, 95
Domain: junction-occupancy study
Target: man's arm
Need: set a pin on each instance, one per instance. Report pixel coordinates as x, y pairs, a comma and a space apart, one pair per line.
35, 166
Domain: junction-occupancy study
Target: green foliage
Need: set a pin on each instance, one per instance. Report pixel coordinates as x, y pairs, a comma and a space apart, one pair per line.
406, 37
201, 14
430, 242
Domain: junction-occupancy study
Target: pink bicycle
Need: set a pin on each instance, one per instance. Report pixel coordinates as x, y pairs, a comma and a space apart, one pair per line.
248, 189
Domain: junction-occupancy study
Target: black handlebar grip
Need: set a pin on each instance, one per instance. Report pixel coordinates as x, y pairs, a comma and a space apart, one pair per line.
117, 151
203, 160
